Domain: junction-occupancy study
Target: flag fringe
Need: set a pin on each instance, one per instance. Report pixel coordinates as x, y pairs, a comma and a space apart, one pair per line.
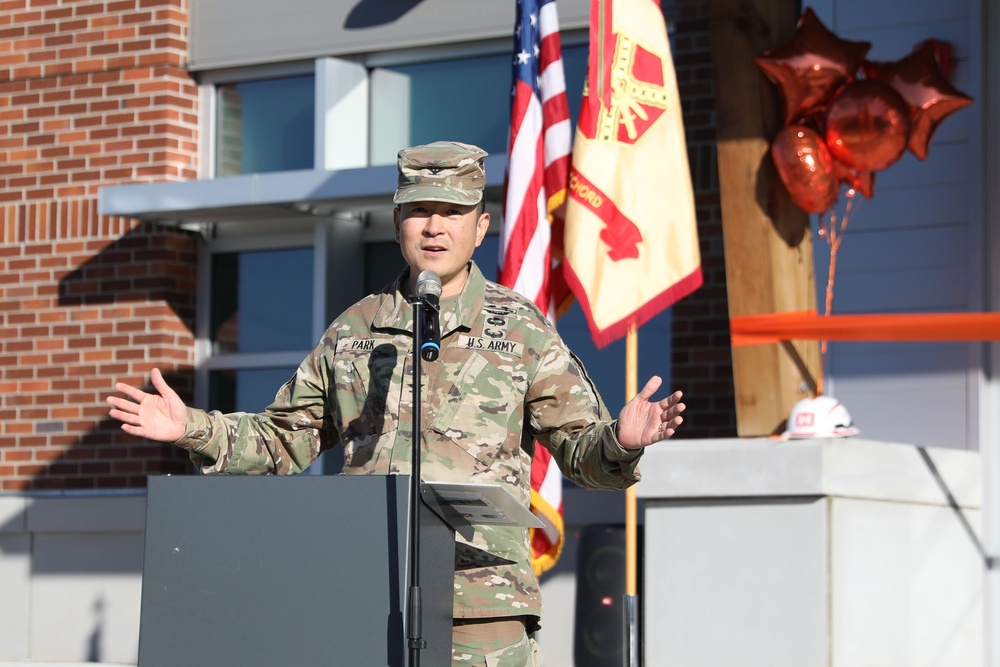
544, 562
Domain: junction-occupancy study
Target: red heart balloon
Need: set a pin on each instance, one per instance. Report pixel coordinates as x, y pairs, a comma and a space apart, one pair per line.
806, 168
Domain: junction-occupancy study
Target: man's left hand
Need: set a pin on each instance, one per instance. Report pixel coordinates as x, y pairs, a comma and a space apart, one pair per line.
643, 422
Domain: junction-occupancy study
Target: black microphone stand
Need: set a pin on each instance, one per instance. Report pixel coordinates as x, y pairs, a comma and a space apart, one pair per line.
415, 640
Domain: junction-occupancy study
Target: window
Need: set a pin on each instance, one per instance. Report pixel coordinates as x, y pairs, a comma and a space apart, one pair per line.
267, 295
265, 119
462, 99
261, 300
245, 389
265, 125
258, 323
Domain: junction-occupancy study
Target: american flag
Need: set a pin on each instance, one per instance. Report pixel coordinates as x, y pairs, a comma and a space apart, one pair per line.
534, 196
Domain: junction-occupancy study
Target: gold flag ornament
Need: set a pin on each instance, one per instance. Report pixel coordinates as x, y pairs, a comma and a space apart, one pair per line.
631, 239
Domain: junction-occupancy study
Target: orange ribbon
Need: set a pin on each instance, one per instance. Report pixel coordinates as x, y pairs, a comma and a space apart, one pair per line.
808, 325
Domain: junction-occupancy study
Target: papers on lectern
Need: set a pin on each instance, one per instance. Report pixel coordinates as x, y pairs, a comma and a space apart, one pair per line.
484, 504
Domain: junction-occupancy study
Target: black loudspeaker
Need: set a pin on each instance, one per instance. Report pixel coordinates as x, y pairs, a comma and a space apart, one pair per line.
599, 622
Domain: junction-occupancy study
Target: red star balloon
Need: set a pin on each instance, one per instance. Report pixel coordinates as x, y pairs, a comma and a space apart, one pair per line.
942, 54
862, 181
811, 66
919, 79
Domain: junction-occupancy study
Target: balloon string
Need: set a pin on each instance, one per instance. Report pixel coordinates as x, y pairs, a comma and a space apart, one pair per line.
833, 237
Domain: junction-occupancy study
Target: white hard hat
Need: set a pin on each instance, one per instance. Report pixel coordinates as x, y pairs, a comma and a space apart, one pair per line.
819, 417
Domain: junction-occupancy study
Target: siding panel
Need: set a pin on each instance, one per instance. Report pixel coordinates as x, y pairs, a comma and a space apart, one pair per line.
853, 15
231, 33
904, 392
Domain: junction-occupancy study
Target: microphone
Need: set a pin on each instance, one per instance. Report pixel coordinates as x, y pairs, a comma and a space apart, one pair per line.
429, 291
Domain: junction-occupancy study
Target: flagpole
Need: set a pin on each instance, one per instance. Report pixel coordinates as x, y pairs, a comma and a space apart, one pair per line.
631, 542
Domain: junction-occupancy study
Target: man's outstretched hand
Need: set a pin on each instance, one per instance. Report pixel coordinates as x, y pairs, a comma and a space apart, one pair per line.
159, 416
643, 422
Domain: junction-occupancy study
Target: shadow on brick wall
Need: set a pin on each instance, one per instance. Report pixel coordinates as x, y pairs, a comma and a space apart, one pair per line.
150, 264
130, 306
105, 457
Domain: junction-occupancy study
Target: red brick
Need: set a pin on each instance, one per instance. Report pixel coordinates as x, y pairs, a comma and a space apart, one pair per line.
58, 13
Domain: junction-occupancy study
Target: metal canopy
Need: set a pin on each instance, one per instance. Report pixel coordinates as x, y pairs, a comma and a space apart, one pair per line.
270, 196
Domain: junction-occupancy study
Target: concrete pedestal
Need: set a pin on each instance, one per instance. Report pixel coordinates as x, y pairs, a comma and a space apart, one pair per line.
833, 553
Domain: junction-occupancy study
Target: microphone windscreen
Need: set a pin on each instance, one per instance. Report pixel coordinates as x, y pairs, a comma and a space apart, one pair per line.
428, 283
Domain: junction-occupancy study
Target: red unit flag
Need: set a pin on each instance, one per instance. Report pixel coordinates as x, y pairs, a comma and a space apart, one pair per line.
631, 240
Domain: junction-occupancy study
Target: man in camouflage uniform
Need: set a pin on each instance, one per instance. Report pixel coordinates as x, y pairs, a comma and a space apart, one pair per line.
504, 380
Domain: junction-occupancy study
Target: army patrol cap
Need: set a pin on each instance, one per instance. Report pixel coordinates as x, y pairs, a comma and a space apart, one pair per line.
442, 171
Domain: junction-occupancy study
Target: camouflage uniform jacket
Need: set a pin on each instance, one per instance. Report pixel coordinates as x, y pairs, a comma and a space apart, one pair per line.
503, 379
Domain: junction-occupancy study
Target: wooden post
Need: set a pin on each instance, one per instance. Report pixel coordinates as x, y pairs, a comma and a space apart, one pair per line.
768, 246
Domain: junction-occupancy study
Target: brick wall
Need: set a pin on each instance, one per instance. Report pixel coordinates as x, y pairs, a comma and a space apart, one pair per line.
91, 94
702, 362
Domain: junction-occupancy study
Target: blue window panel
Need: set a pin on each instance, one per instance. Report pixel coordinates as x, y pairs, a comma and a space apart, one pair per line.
465, 100
262, 301
245, 390
265, 126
